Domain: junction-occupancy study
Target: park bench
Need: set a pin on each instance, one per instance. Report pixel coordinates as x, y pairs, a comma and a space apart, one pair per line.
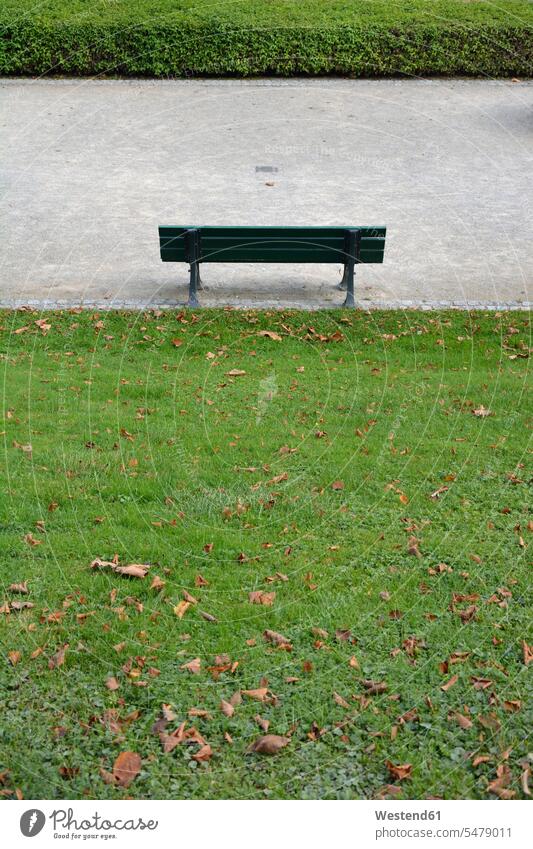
341, 245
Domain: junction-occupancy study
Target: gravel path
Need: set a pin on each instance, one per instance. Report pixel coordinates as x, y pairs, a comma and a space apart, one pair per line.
88, 169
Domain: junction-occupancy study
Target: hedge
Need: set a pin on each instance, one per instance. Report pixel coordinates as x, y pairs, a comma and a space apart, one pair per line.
182, 49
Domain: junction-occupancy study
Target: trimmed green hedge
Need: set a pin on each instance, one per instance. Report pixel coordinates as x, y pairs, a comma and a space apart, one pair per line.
180, 49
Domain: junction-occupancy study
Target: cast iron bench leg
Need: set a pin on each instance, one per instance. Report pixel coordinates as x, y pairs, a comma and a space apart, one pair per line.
353, 249
193, 249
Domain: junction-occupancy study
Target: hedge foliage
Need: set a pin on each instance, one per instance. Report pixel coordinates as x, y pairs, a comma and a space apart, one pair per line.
184, 48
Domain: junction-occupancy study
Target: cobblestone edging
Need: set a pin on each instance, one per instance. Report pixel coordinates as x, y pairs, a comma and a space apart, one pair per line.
364, 304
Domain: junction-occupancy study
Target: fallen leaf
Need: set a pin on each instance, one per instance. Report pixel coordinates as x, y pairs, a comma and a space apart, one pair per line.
181, 608
270, 744
340, 701
126, 768
260, 694
203, 754
499, 786
276, 638
193, 666
399, 771
235, 372
22, 589
453, 680
58, 658
270, 334
133, 570
261, 597
375, 688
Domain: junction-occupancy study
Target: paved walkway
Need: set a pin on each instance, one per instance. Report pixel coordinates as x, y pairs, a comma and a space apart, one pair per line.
90, 168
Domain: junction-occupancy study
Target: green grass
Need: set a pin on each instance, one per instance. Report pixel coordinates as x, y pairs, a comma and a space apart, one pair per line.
354, 37
150, 450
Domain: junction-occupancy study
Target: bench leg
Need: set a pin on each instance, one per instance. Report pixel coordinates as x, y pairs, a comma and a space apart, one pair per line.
342, 285
350, 298
193, 285
352, 253
199, 282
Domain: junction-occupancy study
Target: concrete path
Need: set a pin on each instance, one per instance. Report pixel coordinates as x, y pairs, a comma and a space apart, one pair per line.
90, 168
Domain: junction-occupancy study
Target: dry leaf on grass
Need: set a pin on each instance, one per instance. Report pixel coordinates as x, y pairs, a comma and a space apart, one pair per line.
193, 666
22, 588
270, 744
58, 658
261, 597
399, 771
374, 688
260, 694
126, 768
270, 334
276, 638
132, 570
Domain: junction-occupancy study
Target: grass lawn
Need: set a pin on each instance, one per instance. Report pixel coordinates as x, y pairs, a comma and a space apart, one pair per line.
337, 519
184, 37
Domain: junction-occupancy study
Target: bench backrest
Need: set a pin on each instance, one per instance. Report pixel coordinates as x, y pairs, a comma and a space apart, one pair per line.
271, 244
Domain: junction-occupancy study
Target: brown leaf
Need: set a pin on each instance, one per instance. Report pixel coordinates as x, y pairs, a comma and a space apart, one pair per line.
22, 589
181, 608
412, 547
21, 605
133, 570
460, 719
157, 583
261, 597
375, 688
453, 680
340, 701
270, 744
58, 658
126, 768
499, 786
399, 771
337, 485
260, 694
270, 334
527, 653
207, 616
30, 539
204, 754
468, 614
14, 657
262, 723
276, 638
188, 597
481, 412
235, 372
226, 708
193, 666
112, 683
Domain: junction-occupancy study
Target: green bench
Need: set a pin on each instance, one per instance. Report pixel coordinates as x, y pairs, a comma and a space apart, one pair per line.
346, 245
